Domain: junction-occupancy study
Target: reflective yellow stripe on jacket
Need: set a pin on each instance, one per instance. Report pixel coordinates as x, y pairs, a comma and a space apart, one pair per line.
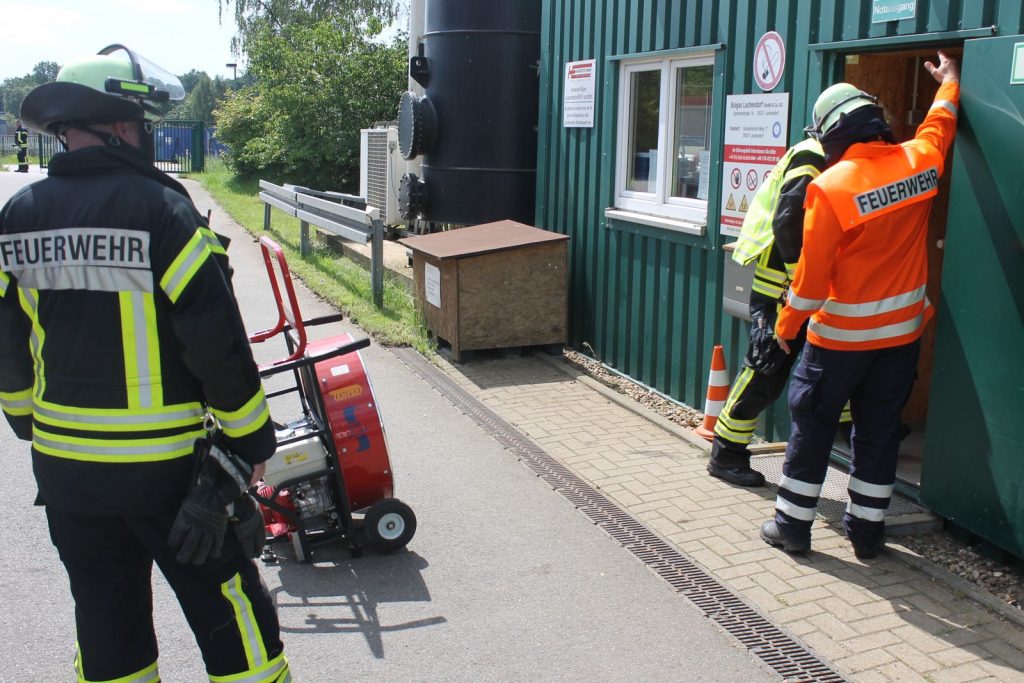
212, 241
141, 349
756, 233
247, 419
184, 266
29, 299
111, 435
767, 280
16, 402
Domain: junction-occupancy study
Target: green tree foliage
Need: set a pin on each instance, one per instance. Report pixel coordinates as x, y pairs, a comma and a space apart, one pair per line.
257, 19
315, 85
203, 95
13, 90
189, 80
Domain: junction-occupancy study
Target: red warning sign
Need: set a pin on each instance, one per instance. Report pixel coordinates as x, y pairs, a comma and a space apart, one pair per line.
769, 60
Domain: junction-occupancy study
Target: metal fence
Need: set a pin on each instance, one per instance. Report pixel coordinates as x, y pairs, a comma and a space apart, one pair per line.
179, 146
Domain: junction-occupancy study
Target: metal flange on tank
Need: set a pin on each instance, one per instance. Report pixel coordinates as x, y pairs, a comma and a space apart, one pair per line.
417, 130
476, 126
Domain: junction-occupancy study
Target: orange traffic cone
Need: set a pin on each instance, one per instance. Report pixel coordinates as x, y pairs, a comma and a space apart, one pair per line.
718, 391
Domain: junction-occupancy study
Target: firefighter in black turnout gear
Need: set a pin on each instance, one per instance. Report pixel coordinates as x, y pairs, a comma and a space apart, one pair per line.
772, 235
21, 143
120, 341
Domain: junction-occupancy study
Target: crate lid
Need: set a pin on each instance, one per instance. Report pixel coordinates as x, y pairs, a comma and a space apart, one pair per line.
480, 239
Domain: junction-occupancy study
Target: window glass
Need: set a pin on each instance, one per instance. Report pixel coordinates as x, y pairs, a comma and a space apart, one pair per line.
692, 134
645, 110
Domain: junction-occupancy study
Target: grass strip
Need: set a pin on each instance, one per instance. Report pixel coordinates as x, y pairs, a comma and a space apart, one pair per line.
339, 280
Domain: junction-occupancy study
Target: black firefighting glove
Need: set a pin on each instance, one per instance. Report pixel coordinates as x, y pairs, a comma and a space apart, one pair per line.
220, 480
247, 525
765, 353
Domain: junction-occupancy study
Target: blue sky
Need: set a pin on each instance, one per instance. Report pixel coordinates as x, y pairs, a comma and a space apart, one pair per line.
178, 35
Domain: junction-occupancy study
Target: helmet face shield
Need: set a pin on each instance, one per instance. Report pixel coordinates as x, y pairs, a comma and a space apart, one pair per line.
150, 73
150, 84
116, 84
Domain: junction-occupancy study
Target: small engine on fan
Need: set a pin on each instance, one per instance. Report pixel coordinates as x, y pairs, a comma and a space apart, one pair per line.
298, 478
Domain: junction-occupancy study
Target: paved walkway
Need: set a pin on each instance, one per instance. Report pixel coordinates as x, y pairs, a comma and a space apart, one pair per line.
880, 620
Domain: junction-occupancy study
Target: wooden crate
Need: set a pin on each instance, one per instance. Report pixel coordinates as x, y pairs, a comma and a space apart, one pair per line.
492, 286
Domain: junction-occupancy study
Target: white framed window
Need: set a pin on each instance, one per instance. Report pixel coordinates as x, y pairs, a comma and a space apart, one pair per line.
663, 151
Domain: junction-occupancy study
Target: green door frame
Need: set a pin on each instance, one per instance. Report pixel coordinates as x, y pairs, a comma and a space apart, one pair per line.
975, 474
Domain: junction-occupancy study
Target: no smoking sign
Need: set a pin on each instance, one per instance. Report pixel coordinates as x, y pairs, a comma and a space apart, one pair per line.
769, 60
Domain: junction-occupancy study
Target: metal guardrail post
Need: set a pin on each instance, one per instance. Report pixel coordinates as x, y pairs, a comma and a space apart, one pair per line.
377, 263
266, 217
304, 239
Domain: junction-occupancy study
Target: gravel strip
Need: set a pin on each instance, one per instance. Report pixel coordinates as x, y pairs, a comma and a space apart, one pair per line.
1005, 582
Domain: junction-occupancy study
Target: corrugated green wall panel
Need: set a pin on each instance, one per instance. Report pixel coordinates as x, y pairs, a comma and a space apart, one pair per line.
644, 301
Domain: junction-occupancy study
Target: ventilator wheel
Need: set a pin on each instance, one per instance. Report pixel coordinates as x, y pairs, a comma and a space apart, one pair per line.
389, 524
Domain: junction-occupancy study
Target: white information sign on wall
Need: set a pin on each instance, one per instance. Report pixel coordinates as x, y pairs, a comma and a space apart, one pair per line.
432, 284
579, 93
756, 129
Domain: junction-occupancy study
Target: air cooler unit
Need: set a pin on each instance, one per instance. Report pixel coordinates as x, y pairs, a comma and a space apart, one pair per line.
380, 169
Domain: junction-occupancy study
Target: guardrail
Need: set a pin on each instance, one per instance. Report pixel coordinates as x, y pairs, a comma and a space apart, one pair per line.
344, 215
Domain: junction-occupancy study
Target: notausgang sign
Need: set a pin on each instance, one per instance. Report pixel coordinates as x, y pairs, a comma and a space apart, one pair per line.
892, 10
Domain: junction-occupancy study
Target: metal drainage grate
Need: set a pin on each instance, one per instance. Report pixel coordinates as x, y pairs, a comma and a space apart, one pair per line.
777, 649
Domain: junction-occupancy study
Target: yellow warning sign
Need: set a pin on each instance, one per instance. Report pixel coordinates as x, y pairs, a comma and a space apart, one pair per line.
731, 204
743, 203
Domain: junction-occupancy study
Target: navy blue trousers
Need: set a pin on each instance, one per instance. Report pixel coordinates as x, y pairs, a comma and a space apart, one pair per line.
877, 384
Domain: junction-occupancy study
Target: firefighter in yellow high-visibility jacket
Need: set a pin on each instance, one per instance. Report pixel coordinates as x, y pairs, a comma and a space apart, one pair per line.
771, 236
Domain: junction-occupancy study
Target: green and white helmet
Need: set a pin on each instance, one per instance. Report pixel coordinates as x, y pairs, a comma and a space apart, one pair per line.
114, 85
835, 102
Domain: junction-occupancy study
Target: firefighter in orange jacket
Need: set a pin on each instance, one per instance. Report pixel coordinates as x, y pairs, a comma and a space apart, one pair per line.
861, 280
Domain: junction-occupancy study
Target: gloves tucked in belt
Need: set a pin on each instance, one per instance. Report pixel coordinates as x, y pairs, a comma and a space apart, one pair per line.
247, 525
765, 352
220, 482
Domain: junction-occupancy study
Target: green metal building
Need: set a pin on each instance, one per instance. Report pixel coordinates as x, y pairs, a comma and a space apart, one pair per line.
635, 164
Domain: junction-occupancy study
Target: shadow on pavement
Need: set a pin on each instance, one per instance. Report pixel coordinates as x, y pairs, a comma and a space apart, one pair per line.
340, 594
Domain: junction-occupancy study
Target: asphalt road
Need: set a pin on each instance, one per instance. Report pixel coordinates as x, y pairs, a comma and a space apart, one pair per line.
504, 580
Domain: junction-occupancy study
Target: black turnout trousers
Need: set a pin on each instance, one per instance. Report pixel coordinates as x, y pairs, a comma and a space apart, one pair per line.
109, 562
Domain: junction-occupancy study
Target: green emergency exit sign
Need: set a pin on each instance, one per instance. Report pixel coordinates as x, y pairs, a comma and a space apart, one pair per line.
892, 10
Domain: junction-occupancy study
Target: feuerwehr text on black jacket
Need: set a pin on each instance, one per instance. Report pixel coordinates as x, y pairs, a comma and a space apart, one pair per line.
118, 331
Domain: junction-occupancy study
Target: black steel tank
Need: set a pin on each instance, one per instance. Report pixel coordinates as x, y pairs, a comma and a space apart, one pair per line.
476, 125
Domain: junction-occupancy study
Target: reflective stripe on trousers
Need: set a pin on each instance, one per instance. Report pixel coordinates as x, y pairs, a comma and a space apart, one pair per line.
878, 384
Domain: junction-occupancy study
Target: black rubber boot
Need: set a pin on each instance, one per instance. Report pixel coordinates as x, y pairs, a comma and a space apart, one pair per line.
868, 551
738, 476
773, 536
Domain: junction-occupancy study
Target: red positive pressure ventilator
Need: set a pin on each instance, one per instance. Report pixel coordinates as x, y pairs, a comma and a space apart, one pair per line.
333, 460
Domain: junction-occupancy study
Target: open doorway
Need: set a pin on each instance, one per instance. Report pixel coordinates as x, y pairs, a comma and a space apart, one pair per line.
906, 92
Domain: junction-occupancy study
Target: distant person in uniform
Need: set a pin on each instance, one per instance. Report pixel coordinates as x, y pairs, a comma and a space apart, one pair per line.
21, 143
